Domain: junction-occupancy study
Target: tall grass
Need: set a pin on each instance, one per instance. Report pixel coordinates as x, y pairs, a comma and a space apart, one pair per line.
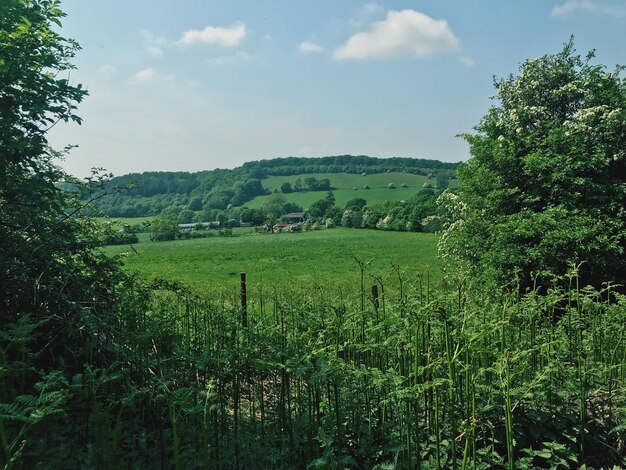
413, 377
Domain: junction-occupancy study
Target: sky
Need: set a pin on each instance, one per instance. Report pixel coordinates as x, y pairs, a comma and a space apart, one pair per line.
191, 85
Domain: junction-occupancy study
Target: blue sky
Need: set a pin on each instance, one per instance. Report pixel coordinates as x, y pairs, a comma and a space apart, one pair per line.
200, 84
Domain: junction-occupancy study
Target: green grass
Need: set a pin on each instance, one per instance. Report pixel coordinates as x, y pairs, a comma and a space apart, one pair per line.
349, 181
342, 196
344, 184
320, 257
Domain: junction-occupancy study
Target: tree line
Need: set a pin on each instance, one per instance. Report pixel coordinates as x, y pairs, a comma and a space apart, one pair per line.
149, 193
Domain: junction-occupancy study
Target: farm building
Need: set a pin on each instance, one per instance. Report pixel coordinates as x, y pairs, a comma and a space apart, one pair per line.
294, 217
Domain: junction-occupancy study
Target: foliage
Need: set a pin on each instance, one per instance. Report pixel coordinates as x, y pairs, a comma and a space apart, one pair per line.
274, 206
56, 292
412, 378
164, 230
358, 164
150, 193
545, 187
114, 235
357, 202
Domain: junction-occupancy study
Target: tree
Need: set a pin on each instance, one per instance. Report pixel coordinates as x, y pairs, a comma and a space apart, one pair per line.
319, 208
297, 187
357, 202
286, 188
185, 216
195, 204
330, 198
442, 181
274, 205
35, 231
545, 187
56, 292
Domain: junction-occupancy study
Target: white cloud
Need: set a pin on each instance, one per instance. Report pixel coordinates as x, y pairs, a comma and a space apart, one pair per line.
372, 8
366, 14
222, 36
153, 39
154, 51
308, 46
107, 71
401, 33
143, 75
589, 6
466, 60
155, 44
240, 56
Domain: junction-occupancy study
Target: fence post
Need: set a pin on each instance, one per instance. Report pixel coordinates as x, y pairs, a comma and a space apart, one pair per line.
375, 296
244, 301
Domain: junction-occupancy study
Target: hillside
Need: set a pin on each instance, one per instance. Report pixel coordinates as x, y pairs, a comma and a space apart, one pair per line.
346, 186
215, 191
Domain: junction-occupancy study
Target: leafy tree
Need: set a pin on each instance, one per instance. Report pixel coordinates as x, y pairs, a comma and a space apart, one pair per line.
352, 218
297, 185
442, 181
546, 185
310, 183
185, 216
274, 205
195, 204
56, 292
330, 198
292, 207
253, 216
357, 202
36, 235
286, 188
335, 213
319, 208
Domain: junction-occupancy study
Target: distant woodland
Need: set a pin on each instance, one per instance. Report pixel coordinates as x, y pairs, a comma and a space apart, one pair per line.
209, 193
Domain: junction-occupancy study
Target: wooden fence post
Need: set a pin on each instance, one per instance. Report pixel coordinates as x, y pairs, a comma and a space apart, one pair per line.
375, 296
244, 301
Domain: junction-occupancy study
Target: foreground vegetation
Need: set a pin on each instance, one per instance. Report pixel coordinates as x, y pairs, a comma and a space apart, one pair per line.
416, 377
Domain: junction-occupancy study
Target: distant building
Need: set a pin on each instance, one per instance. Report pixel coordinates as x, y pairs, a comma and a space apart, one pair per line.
195, 226
286, 227
294, 217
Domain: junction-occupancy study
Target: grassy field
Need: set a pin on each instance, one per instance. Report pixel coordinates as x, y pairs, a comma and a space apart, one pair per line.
345, 185
320, 257
342, 196
349, 181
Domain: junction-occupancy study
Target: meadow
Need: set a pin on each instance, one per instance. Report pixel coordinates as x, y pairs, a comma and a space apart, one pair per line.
350, 180
349, 186
324, 257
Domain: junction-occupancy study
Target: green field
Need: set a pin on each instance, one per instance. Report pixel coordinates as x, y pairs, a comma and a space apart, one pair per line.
349, 180
320, 257
344, 184
342, 196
